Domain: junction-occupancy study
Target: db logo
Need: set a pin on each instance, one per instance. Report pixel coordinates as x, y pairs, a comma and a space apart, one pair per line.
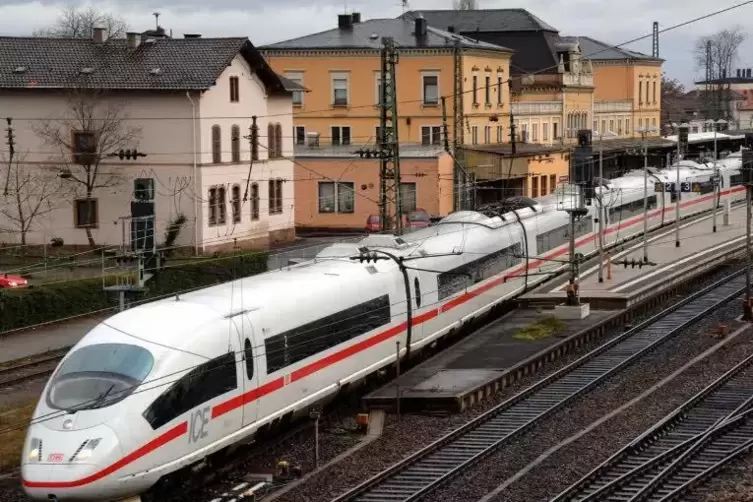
55, 457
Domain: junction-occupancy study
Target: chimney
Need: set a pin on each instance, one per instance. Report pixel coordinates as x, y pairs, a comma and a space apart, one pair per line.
451, 29
98, 35
356, 17
344, 21
132, 40
420, 27
192, 35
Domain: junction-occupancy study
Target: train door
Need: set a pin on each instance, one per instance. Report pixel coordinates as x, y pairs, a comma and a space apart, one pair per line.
417, 304
249, 369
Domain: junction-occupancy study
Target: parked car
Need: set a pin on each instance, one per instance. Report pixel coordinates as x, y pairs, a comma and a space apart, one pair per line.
418, 219
12, 281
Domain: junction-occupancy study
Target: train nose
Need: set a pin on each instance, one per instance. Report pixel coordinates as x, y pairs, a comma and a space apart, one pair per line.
69, 465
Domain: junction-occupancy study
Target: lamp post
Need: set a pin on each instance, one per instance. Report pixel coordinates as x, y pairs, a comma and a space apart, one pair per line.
715, 179
602, 135
679, 128
644, 131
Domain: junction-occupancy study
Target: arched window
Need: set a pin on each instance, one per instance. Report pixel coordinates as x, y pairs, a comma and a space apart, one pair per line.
278, 139
235, 143
221, 206
216, 144
254, 201
271, 148
236, 203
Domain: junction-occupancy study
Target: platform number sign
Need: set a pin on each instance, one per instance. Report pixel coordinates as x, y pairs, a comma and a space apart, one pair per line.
685, 187
197, 428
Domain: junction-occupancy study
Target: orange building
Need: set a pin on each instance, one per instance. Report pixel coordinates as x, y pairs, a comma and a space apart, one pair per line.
340, 113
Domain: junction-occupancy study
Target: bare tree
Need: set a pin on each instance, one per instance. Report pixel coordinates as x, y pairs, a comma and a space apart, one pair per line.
32, 193
75, 22
465, 4
671, 87
716, 54
94, 127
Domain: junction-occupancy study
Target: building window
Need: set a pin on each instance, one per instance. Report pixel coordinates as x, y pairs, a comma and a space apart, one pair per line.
640, 123
234, 90
619, 127
254, 141
535, 187
339, 89
552, 182
499, 88
275, 196
611, 125
640, 92
217, 203
278, 140
627, 127
297, 95
340, 135
487, 134
653, 91
236, 194
603, 126
336, 197
85, 213
545, 131
647, 101
500, 134
653, 122
534, 132
84, 148
555, 130
254, 201
488, 90
408, 197
475, 90
216, 144
474, 135
299, 133
543, 185
271, 148
430, 89
235, 143
431, 135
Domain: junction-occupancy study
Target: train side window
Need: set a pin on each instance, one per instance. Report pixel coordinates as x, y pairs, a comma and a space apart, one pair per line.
417, 286
249, 356
206, 381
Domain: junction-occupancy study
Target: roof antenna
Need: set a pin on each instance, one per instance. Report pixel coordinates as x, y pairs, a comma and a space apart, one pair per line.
156, 20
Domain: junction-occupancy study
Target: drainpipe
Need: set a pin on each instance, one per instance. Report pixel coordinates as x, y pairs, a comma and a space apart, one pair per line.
195, 181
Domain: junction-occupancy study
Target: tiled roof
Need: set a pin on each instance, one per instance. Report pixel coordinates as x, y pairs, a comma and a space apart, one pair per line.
183, 64
600, 51
368, 35
482, 20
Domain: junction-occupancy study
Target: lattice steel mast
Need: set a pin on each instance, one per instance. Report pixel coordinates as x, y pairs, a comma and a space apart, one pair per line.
390, 201
459, 179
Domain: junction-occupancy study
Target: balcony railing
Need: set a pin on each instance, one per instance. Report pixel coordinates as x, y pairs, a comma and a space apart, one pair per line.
613, 106
537, 108
583, 79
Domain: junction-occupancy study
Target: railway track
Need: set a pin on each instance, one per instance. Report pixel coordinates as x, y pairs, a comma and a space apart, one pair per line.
639, 464
416, 476
30, 368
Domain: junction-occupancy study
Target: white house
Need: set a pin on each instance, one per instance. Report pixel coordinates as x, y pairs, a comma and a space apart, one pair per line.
188, 104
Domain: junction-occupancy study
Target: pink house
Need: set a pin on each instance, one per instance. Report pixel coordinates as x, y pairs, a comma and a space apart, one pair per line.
207, 112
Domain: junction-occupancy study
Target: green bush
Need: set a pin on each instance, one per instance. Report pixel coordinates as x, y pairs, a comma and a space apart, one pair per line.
26, 307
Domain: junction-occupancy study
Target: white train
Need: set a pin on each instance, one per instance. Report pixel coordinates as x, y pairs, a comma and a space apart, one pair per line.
161, 386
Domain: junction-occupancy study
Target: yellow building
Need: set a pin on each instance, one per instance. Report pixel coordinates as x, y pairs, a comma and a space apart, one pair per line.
342, 67
563, 83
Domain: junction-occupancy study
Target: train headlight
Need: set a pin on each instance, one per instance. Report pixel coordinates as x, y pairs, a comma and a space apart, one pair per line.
35, 449
85, 450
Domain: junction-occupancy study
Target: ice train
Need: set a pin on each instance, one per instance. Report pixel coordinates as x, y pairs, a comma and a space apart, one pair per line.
162, 386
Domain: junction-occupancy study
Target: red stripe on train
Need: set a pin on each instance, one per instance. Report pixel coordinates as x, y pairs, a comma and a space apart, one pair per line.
268, 388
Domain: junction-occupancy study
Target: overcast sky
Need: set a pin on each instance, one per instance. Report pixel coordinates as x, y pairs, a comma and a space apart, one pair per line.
610, 21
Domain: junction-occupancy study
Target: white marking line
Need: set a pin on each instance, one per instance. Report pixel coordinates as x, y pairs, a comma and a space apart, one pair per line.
240, 487
633, 248
551, 451
675, 263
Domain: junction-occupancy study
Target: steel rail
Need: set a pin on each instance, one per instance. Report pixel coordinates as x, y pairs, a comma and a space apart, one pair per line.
24, 369
626, 472
425, 470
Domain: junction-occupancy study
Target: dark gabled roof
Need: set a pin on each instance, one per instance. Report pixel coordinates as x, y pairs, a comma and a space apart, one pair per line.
184, 64
727, 80
368, 35
487, 20
600, 51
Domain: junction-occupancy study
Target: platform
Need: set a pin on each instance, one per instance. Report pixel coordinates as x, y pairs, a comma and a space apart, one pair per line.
700, 250
26, 342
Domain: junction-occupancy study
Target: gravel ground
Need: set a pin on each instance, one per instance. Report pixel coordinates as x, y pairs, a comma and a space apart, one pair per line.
398, 440
734, 483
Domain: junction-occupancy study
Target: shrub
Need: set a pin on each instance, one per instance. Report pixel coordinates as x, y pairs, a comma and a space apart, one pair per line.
26, 307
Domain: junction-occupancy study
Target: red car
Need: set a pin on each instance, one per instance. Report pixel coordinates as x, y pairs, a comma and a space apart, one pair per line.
373, 224
12, 281
418, 219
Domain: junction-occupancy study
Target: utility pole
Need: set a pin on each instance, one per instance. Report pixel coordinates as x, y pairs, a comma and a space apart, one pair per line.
682, 141
11, 152
583, 182
389, 153
458, 117
253, 146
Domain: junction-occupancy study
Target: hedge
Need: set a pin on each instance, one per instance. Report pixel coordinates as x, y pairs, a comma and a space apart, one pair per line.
25, 307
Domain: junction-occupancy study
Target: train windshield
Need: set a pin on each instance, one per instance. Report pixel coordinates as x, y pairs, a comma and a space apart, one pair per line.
97, 376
